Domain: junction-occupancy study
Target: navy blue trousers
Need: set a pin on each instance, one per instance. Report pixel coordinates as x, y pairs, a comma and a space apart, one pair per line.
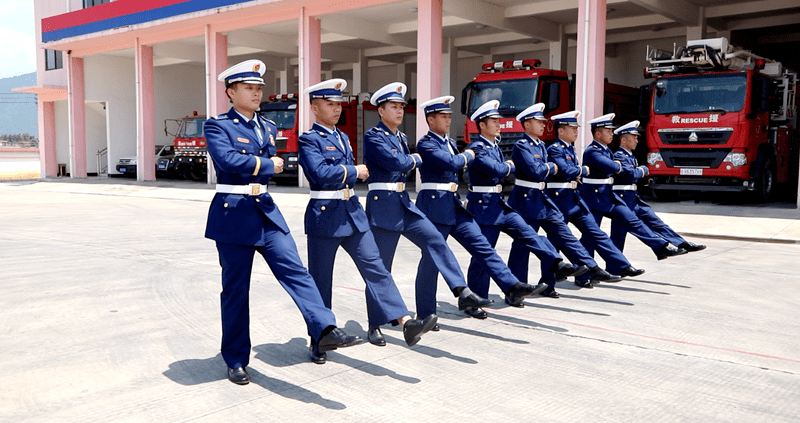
512, 224
281, 255
559, 236
648, 216
591, 232
384, 302
467, 232
627, 220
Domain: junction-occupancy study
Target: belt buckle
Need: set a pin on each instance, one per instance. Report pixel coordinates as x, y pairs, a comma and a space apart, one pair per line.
453, 187
255, 189
346, 193
498, 189
401, 186
573, 184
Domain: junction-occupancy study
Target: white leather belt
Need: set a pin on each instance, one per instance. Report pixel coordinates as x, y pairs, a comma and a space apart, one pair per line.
339, 194
452, 186
496, 189
529, 184
624, 187
388, 186
607, 181
250, 189
562, 185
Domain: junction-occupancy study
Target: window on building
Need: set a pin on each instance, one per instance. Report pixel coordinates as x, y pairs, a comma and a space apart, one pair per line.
90, 3
53, 59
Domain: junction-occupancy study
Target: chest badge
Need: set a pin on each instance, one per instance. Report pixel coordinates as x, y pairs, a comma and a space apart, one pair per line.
243, 140
271, 139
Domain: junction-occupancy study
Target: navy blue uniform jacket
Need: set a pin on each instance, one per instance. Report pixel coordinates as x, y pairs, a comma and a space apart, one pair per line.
236, 151
568, 200
600, 161
530, 160
329, 168
488, 169
388, 160
440, 166
633, 173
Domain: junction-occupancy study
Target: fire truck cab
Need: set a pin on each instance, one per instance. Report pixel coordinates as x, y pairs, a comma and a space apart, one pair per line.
721, 119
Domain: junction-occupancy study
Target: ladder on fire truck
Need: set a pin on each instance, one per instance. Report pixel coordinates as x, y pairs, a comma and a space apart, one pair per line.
716, 54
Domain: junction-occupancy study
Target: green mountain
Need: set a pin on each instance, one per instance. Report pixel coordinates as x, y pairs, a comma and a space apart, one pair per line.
18, 113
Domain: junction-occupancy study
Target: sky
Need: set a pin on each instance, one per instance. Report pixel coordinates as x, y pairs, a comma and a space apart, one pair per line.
17, 38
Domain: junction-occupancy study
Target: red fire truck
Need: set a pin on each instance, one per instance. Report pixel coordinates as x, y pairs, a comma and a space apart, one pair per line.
358, 115
721, 119
190, 149
521, 83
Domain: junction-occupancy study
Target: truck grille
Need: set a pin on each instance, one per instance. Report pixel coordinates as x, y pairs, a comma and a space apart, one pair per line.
280, 143
694, 157
695, 135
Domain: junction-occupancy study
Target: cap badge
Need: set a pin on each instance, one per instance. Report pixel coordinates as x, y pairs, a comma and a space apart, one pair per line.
447, 101
256, 67
338, 86
399, 89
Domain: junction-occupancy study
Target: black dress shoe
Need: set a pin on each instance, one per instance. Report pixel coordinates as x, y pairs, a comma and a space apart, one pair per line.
631, 271
316, 356
238, 375
584, 283
563, 269
472, 300
599, 275
669, 251
477, 313
375, 336
520, 290
691, 246
550, 293
337, 338
435, 328
414, 328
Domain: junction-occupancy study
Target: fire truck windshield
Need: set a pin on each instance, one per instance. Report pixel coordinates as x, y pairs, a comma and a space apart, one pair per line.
193, 128
515, 95
700, 93
280, 113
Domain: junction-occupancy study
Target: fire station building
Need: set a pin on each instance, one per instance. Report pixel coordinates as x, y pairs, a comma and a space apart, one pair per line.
110, 72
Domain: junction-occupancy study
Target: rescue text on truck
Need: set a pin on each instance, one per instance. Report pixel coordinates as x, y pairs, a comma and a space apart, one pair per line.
721, 119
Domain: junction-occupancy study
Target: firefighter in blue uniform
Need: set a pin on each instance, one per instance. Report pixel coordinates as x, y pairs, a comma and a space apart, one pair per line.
334, 217
243, 220
389, 208
485, 202
625, 186
562, 189
528, 198
602, 200
438, 198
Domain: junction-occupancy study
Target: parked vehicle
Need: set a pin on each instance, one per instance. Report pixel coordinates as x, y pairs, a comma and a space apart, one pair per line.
190, 159
721, 119
127, 165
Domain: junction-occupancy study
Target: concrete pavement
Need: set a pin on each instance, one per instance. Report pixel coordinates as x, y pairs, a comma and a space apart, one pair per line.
109, 312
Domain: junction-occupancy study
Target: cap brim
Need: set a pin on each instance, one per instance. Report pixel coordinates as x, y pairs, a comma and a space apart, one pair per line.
395, 100
257, 81
330, 98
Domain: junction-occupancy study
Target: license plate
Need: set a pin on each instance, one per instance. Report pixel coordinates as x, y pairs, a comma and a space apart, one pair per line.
123, 169
692, 172
162, 166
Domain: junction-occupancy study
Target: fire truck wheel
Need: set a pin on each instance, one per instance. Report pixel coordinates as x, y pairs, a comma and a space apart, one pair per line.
194, 174
766, 180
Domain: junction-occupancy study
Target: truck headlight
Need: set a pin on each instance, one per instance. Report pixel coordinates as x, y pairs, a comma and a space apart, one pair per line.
736, 159
653, 158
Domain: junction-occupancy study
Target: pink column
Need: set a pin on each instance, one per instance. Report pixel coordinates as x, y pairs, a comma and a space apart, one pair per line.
47, 138
591, 65
216, 100
77, 117
310, 66
429, 56
216, 62
145, 114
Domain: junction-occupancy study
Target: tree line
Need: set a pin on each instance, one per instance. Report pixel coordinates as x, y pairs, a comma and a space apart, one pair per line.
20, 140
